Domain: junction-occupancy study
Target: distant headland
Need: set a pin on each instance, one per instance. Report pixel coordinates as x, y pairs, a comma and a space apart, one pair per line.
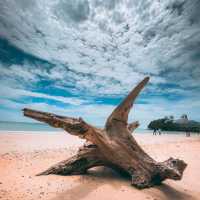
171, 124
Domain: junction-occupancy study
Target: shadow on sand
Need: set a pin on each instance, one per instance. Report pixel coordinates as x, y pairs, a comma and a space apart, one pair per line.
95, 178
167, 192
103, 176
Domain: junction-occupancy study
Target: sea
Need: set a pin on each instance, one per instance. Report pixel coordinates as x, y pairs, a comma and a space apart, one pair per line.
39, 127
26, 127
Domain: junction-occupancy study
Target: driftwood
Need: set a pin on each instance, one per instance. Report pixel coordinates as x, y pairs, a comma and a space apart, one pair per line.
114, 147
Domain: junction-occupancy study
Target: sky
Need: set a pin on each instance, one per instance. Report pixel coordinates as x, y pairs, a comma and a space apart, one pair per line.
80, 58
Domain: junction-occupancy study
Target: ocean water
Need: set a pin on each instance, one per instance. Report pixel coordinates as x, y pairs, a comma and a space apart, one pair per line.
24, 126
41, 127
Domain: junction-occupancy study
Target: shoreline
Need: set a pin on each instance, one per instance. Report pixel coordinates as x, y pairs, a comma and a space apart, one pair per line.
142, 131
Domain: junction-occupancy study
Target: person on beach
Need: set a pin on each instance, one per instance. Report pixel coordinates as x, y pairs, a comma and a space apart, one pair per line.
155, 131
187, 133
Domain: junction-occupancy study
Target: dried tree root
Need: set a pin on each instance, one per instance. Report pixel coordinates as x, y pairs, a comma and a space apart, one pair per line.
114, 146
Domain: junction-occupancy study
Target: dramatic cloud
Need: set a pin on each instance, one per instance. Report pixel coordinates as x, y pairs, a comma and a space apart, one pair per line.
92, 52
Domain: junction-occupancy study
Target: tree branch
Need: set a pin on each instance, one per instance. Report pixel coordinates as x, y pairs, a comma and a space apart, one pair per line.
87, 157
132, 126
73, 126
120, 114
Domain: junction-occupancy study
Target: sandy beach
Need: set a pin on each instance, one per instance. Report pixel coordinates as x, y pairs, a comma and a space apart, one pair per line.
22, 155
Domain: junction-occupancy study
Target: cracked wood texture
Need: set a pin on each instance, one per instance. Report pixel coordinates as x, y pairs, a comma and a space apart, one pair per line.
114, 146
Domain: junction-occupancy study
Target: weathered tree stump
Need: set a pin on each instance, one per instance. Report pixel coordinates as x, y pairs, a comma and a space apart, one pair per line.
114, 147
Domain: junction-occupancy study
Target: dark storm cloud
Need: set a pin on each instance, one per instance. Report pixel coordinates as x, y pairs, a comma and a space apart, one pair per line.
176, 6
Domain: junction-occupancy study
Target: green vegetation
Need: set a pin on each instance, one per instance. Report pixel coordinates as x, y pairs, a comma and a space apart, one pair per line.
169, 124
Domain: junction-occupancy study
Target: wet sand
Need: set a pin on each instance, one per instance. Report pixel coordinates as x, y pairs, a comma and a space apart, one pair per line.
22, 155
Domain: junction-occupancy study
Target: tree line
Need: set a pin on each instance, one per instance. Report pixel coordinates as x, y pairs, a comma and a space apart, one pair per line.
169, 124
